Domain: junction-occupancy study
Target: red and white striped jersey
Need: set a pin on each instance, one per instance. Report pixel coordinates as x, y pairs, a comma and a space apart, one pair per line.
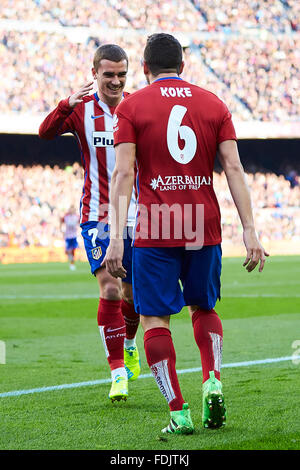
91, 121
71, 223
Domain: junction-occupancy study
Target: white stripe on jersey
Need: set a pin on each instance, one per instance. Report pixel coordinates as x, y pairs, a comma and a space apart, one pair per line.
110, 151
83, 189
89, 126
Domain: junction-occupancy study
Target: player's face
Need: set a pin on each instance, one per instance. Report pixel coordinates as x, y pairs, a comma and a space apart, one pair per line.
111, 79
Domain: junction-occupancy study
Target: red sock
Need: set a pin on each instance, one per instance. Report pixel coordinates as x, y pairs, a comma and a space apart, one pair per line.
161, 358
208, 334
112, 329
132, 319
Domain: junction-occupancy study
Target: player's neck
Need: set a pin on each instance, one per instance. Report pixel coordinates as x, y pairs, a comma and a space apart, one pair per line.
162, 75
111, 102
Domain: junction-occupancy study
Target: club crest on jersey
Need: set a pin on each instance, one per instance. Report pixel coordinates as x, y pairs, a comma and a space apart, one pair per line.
96, 253
103, 139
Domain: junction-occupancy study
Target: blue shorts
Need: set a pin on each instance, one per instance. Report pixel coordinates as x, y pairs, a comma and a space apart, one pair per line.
71, 244
156, 275
96, 240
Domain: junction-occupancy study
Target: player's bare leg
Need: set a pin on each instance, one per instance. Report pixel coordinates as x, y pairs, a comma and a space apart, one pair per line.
71, 259
132, 320
112, 330
161, 358
208, 334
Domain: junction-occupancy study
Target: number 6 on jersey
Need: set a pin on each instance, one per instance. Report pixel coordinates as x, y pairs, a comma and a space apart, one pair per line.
186, 154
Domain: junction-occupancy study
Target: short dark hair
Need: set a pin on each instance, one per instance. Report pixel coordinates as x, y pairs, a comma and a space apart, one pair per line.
163, 53
111, 52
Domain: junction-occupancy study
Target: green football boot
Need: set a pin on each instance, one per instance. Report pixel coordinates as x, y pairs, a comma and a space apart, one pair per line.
214, 410
181, 422
119, 389
132, 362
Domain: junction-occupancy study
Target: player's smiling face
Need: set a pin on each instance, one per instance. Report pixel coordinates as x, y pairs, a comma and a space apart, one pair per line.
111, 79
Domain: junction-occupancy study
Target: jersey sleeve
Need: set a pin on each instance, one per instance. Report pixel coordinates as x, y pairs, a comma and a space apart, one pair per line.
226, 129
58, 122
123, 126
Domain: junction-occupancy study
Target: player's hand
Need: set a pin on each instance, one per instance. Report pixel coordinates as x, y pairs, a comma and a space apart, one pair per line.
255, 251
113, 259
76, 98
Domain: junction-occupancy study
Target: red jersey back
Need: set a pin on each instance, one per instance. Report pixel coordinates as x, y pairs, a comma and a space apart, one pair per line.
177, 128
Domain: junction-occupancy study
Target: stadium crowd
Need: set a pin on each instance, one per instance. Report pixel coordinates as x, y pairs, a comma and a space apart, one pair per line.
259, 76
171, 15
45, 59
278, 16
35, 199
236, 15
251, 84
253, 75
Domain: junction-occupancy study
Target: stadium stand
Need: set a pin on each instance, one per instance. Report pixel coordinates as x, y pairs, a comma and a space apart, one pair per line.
246, 52
260, 77
252, 75
236, 15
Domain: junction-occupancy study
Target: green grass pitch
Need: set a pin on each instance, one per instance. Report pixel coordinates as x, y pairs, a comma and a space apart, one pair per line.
49, 327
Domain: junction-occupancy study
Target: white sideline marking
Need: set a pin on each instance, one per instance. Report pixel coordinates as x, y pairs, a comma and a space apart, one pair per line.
96, 296
17, 393
50, 296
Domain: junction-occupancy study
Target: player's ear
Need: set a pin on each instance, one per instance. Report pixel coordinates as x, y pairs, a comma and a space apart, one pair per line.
94, 73
146, 68
181, 68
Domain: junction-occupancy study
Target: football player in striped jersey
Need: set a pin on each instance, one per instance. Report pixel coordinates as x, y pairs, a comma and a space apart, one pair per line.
89, 116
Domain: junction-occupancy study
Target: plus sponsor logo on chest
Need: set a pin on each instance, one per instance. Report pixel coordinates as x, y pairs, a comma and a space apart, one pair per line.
103, 139
181, 182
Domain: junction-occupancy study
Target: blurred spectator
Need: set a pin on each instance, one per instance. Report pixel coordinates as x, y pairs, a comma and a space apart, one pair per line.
292, 177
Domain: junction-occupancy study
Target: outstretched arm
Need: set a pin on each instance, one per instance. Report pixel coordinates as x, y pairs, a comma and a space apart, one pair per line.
230, 161
120, 194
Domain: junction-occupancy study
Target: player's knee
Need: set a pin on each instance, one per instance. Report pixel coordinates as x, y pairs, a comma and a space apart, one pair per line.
195, 308
111, 292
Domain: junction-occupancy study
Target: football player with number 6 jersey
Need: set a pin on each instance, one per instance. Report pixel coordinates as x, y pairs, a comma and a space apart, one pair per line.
90, 118
172, 131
